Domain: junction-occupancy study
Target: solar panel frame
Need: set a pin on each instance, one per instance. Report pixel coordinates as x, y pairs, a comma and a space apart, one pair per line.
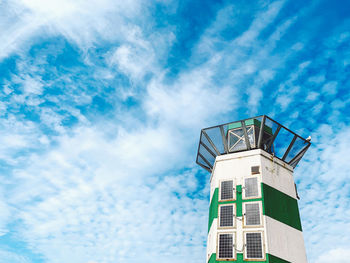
225, 249
254, 246
247, 214
250, 193
226, 218
222, 190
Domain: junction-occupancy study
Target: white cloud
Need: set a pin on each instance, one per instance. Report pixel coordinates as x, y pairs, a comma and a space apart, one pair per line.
260, 23
132, 61
324, 193
105, 191
6, 256
191, 100
100, 201
82, 22
311, 96
330, 88
336, 255
5, 217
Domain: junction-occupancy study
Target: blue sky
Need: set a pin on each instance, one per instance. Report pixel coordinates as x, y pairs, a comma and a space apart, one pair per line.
101, 107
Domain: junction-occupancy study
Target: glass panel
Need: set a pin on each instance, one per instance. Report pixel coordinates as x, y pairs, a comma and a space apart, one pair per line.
236, 140
296, 161
226, 190
298, 146
251, 187
254, 245
226, 246
225, 129
252, 214
255, 125
215, 135
270, 128
209, 157
231, 137
202, 162
207, 143
282, 141
251, 137
226, 216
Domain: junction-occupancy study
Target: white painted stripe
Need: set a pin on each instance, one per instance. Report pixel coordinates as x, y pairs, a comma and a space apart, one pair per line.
284, 241
211, 241
278, 177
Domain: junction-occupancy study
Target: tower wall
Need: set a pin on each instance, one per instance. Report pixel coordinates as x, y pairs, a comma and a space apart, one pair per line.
276, 224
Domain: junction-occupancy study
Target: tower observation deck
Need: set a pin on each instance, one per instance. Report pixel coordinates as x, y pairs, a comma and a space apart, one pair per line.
253, 212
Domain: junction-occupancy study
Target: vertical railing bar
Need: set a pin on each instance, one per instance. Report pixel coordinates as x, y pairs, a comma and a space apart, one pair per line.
273, 137
289, 148
245, 135
224, 140
261, 132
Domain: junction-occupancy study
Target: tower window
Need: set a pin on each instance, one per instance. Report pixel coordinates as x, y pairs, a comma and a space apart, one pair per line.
225, 246
251, 187
255, 169
254, 246
226, 190
226, 215
252, 214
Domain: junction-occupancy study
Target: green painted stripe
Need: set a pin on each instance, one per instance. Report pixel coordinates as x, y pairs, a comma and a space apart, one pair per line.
274, 259
239, 200
213, 208
212, 258
254, 122
214, 204
281, 207
263, 198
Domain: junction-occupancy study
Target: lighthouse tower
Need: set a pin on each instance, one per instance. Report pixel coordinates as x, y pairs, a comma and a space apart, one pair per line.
253, 212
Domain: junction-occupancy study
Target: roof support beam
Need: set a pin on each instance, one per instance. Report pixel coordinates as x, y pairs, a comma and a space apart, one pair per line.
297, 158
203, 166
205, 160
211, 142
261, 132
224, 140
289, 148
245, 135
208, 149
273, 138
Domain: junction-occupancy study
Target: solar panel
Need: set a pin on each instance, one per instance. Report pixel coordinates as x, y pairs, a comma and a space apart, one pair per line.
226, 246
254, 245
252, 214
251, 187
226, 215
226, 190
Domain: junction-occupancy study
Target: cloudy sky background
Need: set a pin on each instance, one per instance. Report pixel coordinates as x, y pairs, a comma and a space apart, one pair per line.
101, 106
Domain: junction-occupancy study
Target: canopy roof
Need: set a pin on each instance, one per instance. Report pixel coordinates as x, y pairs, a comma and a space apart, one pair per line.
260, 132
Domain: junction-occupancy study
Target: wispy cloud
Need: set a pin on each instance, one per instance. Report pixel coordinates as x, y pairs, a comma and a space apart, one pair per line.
99, 128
